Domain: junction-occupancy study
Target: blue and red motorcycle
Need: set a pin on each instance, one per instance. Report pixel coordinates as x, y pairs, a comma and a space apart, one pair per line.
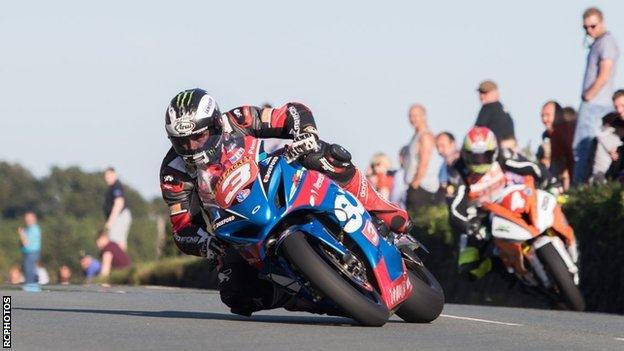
315, 241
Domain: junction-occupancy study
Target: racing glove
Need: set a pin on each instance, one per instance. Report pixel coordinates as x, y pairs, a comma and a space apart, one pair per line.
214, 249
302, 145
474, 226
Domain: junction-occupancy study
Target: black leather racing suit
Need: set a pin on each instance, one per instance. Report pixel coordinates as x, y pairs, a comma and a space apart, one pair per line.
464, 202
508, 161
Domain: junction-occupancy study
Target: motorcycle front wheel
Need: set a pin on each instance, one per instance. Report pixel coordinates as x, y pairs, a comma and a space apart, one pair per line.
563, 279
427, 299
331, 284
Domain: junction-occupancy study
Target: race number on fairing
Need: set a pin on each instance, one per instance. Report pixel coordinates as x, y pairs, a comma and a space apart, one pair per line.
346, 211
235, 179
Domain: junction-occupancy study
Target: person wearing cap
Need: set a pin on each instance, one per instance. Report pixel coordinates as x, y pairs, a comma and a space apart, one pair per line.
597, 90
493, 116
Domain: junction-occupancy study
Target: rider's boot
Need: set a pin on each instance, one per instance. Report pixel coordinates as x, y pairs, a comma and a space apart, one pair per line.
471, 262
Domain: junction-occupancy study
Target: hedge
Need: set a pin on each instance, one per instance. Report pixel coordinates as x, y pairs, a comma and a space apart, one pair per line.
189, 272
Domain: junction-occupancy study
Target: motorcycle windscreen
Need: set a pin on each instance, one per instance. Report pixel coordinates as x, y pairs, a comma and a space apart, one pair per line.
505, 229
546, 204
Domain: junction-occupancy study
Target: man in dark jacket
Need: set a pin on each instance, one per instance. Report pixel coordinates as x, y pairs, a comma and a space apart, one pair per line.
493, 116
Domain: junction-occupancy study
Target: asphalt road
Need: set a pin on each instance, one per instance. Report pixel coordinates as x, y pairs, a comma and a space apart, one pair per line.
156, 318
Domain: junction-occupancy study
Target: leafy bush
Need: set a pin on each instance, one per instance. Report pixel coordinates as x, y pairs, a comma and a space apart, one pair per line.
597, 215
190, 272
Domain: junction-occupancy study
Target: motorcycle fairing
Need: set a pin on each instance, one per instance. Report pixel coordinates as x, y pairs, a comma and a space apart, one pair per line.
281, 193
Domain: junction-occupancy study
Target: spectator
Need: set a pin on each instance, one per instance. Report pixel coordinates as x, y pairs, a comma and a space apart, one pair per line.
606, 148
560, 137
118, 216
570, 115
616, 171
493, 116
618, 102
111, 255
64, 275
548, 119
421, 169
543, 154
597, 90
43, 277
90, 267
447, 148
380, 174
15, 275
399, 186
30, 238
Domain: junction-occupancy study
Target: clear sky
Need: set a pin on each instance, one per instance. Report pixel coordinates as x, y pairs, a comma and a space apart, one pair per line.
86, 83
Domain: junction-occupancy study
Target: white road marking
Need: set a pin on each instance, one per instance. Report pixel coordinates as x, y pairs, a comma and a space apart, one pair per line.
481, 320
619, 339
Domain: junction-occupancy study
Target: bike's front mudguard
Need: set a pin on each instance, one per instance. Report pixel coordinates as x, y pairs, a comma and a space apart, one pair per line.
384, 258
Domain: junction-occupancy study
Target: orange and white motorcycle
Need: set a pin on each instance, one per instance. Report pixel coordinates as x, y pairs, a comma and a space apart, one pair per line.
534, 240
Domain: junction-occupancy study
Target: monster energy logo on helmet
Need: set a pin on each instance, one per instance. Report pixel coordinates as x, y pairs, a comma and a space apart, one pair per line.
183, 99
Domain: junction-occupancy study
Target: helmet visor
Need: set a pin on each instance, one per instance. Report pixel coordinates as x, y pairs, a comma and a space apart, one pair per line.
483, 158
191, 144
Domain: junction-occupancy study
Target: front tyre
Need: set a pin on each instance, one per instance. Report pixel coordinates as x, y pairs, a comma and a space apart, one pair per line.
331, 284
554, 264
427, 299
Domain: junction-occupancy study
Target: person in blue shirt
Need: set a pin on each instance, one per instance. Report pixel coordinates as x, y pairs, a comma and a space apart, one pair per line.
90, 266
447, 148
30, 238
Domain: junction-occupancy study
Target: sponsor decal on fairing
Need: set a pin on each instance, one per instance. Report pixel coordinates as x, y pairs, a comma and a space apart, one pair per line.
370, 232
242, 195
223, 222
269, 170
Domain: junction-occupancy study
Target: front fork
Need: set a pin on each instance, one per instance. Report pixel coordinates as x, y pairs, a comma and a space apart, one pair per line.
568, 254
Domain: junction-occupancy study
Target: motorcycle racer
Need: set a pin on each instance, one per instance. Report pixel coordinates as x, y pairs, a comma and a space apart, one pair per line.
191, 118
480, 175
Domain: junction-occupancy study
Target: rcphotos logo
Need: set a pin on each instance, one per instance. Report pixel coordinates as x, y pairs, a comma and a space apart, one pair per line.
6, 322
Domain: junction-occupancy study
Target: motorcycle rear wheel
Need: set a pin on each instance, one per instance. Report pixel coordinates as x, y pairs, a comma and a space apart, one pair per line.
563, 279
331, 284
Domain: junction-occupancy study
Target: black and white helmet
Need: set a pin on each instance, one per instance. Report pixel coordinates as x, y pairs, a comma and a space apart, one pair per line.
191, 117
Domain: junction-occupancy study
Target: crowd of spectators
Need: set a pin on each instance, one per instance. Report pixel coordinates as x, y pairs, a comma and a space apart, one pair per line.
575, 148
111, 242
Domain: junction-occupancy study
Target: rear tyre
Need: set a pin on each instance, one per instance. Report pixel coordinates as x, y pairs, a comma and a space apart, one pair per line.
331, 284
427, 299
562, 278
